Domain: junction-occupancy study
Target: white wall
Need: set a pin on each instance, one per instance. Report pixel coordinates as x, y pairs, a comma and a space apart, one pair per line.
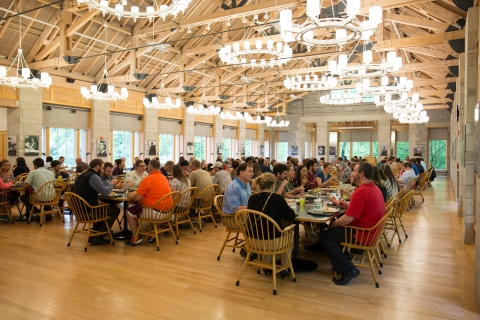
3, 119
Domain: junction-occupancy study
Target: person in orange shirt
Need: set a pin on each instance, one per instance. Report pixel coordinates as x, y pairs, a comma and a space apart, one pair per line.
150, 190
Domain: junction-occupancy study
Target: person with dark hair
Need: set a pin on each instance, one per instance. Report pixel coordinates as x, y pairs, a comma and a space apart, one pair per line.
179, 181
365, 209
21, 167
147, 161
233, 170
407, 175
57, 171
81, 166
414, 167
389, 179
107, 176
300, 180
312, 168
118, 168
89, 185
136, 176
48, 162
323, 177
35, 179
237, 193
263, 167
379, 182
280, 174
257, 172
180, 160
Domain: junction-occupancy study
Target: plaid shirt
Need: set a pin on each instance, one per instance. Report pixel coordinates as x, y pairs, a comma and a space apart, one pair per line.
312, 182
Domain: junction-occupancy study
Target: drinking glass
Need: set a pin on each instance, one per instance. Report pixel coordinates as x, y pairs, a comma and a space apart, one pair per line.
302, 200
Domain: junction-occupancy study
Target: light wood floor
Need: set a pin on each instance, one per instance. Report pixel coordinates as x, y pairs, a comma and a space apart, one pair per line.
429, 276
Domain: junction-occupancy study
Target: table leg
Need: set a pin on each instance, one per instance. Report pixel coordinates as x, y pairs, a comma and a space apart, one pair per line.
300, 265
125, 234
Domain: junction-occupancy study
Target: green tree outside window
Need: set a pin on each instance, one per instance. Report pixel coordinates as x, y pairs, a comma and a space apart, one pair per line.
344, 151
282, 151
438, 154
402, 149
200, 148
166, 147
122, 146
226, 143
62, 144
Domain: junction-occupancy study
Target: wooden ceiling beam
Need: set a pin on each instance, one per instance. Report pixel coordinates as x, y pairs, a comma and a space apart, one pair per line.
432, 39
414, 21
435, 107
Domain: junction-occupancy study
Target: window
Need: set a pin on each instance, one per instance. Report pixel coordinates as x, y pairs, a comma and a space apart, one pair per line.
402, 149
361, 149
122, 146
375, 149
166, 148
227, 148
248, 148
282, 151
200, 148
438, 154
62, 143
345, 150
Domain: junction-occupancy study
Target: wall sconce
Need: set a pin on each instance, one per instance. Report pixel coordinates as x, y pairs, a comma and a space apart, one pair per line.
88, 153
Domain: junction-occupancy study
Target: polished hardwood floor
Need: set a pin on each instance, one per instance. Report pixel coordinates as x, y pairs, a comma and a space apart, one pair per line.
428, 276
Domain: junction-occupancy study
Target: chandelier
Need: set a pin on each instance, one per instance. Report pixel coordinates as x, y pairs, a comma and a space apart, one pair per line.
399, 87
234, 113
259, 117
150, 11
277, 121
26, 79
203, 107
337, 29
104, 90
368, 68
412, 117
263, 54
310, 82
340, 97
162, 95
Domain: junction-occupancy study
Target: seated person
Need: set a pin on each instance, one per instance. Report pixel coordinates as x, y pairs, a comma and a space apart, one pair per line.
12, 196
166, 170
236, 195
407, 175
89, 185
151, 189
221, 177
106, 176
21, 167
119, 166
57, 170
136, 176
81, 166
274, 206
323, 177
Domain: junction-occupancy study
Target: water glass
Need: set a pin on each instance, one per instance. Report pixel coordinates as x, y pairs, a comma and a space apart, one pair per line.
302, 199
317, 203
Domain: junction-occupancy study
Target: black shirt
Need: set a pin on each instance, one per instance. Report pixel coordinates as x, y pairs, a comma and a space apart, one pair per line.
276, 208
19, 170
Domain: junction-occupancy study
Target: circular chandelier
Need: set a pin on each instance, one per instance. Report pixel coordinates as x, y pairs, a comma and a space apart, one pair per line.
162, 100
243, 53
104, 91
203, 107
399, 87
150, 11
27, 79
340, 97
343, 28
234, 113
412, 117
259, 117
310, 82
278, 122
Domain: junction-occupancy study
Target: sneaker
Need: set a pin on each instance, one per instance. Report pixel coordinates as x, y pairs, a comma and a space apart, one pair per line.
151, 239
134, 241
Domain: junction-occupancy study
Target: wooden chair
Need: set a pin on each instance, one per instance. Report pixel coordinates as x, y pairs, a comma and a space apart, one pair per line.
230, 226
68, 188
421, 185
397, 214
409, 187
258, 229
183, 209
88, 215
430, 171
21, 178
5, 209
51, 191
157, 217
204, 202
366, 239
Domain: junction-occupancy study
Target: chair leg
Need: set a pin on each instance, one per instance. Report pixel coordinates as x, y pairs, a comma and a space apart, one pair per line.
378, 255
401, 223
30, 216
274, 275
41, 214
292, 272
191, 224
373, 271
236, 241
199, 220
73, 233
171, 231
396, 230
386, 239
109, 233
245, 262
176, 227
224, 243
382, 248
156, 236
212, 217
88, 237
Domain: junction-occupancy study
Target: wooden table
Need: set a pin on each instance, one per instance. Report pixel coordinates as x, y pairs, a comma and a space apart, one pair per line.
124, 234
301, 215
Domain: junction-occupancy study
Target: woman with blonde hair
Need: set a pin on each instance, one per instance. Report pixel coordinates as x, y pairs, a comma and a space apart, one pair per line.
272, 205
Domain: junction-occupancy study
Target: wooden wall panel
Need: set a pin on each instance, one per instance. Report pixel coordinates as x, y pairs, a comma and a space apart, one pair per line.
66, 97
172, 113
231, 123
8, 97
3, 145
204, 119
251, 126
129, 106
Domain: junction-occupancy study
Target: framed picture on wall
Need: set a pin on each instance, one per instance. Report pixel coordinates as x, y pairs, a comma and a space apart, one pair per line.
101, 148
262, 150
321, 150
242, 150
12, 145
417, 151
294, 150
32, 145
332, 151
384, 151
219, 149
189, 148
152, 148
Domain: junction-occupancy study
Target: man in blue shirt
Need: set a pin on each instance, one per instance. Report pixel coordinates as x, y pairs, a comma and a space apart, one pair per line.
236, 194
264, 168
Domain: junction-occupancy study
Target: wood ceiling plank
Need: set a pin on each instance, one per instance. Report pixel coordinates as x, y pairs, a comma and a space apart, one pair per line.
417, 22
432, 39
428, 52
440, 13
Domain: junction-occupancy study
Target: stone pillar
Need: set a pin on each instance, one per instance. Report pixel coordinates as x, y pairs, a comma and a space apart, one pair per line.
272, 145
188, 133
417, 136
384, 137
100, 127
460, 142
323, 138
217, 135
261, 139
26, 120
470, 93
242, 136
150, 131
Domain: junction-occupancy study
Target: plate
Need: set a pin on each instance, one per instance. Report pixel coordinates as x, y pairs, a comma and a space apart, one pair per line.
331, 210
114, 196
331, 204
325, 214
310, 196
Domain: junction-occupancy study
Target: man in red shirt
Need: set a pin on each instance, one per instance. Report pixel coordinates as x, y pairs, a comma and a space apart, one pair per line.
312, 168
365, 209
150, 190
